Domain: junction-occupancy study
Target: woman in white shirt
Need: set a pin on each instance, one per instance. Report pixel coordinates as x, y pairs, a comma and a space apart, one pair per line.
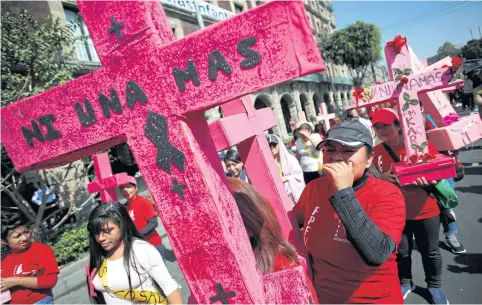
288, 167
125, 269
310, 158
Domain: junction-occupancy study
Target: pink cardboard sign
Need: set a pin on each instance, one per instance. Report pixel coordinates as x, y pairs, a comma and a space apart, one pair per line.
152, 92
258, 160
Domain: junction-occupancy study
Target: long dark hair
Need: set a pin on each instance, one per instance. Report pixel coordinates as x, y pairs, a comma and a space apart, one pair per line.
260, 220
116, 213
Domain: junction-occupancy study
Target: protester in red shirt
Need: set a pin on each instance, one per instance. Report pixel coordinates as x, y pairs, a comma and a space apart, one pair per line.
271, 251
29, 269
423, 219
352, 222
143, 214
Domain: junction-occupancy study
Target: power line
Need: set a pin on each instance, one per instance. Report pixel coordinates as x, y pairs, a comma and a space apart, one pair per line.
425, 15
444, 13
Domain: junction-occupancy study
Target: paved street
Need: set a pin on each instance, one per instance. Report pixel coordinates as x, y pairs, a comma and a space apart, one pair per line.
462, 274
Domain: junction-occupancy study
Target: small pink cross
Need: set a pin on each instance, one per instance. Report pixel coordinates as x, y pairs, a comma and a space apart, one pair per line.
107, 183
325, 116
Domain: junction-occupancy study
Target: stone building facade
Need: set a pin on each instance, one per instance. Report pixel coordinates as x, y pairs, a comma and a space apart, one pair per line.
333, 86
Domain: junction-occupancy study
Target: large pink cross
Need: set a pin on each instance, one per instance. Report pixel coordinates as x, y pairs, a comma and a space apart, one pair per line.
244, 127
407, 95
325, 116
106, 183
451, 135
152, 92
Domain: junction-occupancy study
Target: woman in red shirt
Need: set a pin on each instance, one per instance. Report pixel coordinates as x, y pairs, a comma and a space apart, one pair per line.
423, 219
352, 223
271, 252
29, 269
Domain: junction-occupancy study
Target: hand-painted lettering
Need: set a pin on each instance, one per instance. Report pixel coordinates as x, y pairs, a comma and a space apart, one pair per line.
218, 62
107, 104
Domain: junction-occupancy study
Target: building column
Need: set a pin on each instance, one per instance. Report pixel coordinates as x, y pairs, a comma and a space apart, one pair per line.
310, 108
280, 129
295, 88
337, 100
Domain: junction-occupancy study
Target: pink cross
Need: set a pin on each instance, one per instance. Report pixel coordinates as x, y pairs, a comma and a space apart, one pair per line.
301, 119
407, 95
325, 116
152, 92
257, 159
106, 183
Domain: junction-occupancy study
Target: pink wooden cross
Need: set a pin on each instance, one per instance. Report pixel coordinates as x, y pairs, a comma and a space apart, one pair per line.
106, 183
244, 127
152, 92
325, 116
407, 95
467, 130
301, 119
450, 135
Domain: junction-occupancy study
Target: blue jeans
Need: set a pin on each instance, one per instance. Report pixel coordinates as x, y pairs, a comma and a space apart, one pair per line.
47, 300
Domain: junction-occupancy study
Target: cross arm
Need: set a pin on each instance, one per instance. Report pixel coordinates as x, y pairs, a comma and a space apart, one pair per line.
63, 124
262, 47
425, 82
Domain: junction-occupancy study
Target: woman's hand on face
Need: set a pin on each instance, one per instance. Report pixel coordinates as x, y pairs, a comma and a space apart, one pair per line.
423, 182
9, 282
305, 134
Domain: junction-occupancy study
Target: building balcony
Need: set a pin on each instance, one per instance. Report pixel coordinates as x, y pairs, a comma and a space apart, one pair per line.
342, 80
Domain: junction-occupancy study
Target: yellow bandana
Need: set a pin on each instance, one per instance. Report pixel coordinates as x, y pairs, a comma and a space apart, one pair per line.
135, 296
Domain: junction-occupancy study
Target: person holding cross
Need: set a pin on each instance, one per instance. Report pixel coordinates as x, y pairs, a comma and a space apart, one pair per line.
352, 222
422, 211
310, 158
143, 214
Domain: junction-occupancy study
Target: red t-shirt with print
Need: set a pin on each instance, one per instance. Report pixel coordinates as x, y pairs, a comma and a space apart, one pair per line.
141, 210
340, 274
418, 203
38, 260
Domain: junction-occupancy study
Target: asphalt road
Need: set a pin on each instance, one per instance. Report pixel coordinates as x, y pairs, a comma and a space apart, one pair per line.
462, 274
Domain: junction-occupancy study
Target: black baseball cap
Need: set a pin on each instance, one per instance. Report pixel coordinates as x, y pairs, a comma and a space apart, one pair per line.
272, 139
350, 133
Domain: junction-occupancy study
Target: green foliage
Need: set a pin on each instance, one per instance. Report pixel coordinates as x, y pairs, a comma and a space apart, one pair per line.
72, 244
473, 49
33, 55
356, 46
447, 49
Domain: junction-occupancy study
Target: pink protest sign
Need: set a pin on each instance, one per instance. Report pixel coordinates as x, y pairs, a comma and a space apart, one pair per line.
244, 127
151, 92
106, 183
325, 116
